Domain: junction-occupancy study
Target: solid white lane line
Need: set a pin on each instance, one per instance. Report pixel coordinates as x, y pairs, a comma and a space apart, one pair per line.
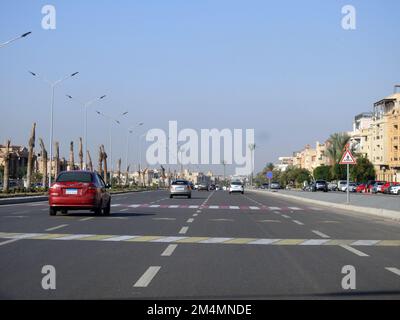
135, 205
86, 219
74, 236
168, 239
121, 238
8, 241
146, 278
254, 208
298, 222
264, 241
234, 207
364, 243
213, 207
193, 207
394, 270
183, 230
215, 240
169, 250
154, 206
355, 251
167, 219
190, 220
57, 227
318, 233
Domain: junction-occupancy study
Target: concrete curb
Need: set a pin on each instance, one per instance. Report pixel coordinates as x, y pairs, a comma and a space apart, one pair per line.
383, 213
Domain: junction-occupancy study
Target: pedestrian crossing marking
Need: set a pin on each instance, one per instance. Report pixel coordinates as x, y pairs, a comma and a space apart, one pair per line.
199, 240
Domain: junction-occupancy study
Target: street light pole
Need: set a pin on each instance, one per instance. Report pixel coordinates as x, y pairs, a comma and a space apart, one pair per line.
14, 39
129, 131
52, 86
252, 147
86, 105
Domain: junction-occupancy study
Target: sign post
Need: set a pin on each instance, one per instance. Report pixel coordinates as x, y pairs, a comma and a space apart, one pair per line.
348, 159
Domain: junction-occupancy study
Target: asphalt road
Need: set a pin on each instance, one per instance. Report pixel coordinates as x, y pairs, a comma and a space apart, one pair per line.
214, 245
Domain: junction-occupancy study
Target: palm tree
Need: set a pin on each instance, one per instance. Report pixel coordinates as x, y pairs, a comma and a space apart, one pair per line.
80, 154
90, 164
30, 156
104, 157
100, 162
56, 159
119, 171
6, 175
127, 176
71, 156
336, 144
44, 162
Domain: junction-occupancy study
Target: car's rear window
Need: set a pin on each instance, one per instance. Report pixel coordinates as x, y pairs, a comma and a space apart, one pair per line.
179, 183
75, 177
236, 183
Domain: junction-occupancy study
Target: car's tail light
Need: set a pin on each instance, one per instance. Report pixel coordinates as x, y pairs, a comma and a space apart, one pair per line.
55, 189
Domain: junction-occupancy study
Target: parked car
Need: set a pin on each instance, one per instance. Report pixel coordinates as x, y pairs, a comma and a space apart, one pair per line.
332, 186
79, 190
212, 187
180, 188
378, 186
395, 189
362, 187
275, 185
387, 185
236, 186
352, 187
342, 185
265, 186
320, 185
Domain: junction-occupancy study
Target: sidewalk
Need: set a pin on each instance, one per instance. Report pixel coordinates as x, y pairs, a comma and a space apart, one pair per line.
381, 205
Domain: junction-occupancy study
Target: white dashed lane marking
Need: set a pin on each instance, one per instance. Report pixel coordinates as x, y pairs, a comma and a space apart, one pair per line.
169, 250
355, 251
183, 230
146, 278
318, 233
298, 222
57, 227
86, 219
8, 241
190, 220
394, 270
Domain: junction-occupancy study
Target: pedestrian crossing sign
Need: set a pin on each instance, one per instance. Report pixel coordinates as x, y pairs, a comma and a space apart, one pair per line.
348, 158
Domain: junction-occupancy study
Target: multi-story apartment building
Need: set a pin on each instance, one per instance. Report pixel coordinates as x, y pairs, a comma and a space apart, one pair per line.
384, 137
360, 137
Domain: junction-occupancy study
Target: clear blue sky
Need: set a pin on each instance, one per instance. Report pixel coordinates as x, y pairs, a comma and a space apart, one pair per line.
285, 68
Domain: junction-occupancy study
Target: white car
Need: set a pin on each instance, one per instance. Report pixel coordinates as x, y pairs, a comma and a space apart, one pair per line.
236, 186
395, 189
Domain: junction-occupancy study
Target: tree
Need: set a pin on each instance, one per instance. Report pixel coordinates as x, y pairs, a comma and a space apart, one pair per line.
6, 174
80, 154
100, 162
104, 157
336, 144
323, 173
56, 159
90, 163
30, 156
119, 171
71, 156
362, 171
44, 162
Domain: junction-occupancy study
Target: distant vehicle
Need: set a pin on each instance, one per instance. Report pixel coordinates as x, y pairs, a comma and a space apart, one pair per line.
378, 186
332, 186
395, 189
352, 187
265, 186
275, 185
236, 186
79, 190
361, 188
212, 187
385, 188
320, 185
180, 188
203, 186
217, 187
196, 186
342, 185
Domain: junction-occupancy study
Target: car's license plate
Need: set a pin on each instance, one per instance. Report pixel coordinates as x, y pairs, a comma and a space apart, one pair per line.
71, 191
180, 188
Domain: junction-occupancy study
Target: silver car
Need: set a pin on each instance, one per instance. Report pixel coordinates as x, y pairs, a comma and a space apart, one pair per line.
180, 188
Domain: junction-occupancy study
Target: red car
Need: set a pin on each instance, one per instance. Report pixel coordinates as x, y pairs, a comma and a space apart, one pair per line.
79, 190
361, 188
387, 185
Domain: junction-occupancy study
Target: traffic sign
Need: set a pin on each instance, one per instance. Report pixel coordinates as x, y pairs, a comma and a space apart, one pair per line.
348, 158
269, 175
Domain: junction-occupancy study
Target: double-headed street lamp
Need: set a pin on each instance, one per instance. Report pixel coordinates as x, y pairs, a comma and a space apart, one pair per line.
14, 39
111, 121
86, 105
52, 86
130, 131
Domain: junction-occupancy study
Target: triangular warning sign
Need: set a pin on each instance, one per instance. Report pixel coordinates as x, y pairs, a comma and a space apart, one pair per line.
347, 158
